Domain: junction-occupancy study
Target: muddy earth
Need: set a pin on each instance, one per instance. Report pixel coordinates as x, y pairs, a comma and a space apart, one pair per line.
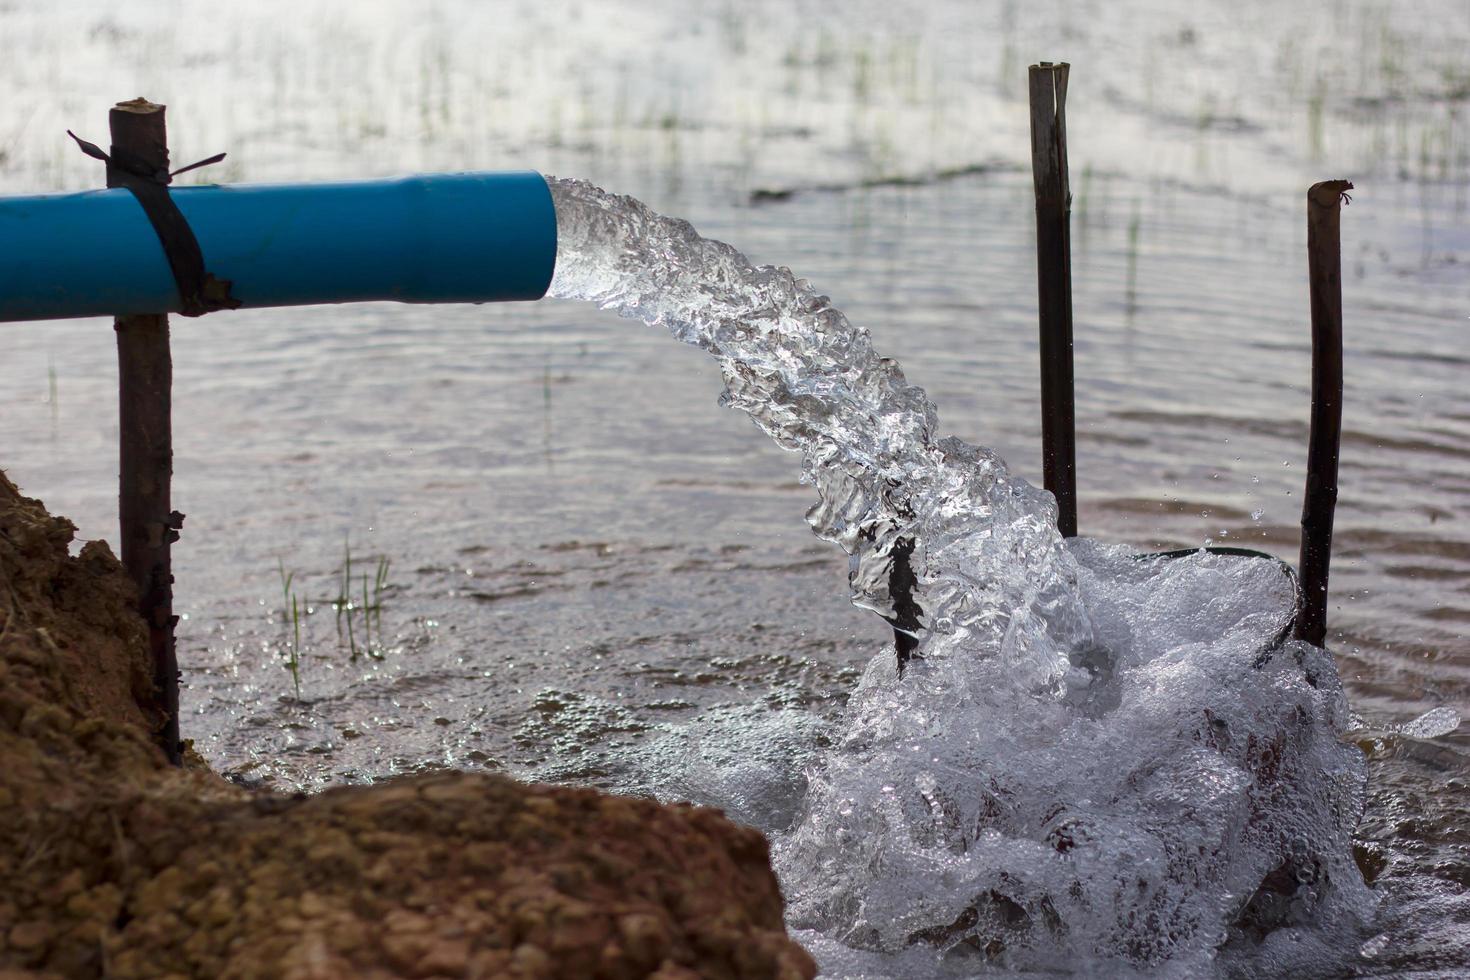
116, 864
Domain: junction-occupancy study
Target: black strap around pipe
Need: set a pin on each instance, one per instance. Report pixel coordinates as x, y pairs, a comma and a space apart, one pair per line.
199, 291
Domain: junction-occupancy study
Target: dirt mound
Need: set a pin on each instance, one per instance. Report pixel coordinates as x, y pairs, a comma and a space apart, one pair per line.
116, 864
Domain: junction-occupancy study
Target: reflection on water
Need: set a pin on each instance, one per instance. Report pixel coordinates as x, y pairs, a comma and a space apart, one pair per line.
421, 433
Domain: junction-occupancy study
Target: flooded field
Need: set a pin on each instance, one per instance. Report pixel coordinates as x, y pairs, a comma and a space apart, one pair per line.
590, 572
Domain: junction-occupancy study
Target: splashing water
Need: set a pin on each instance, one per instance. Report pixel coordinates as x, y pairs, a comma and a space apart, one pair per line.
1094, 762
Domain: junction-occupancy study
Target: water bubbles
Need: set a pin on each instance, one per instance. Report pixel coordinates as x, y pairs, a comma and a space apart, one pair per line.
1432, 724
1095, 761
1374, 947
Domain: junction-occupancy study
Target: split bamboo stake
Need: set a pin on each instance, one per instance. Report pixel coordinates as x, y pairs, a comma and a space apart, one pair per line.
1324, 262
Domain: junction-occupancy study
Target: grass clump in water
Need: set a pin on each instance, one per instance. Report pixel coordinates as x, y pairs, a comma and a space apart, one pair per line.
369, 606
291, 608
358, 596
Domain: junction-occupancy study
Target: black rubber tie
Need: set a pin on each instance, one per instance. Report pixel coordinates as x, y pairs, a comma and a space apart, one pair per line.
199, 291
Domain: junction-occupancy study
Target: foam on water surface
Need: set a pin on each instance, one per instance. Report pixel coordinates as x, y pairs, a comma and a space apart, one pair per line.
1097, 762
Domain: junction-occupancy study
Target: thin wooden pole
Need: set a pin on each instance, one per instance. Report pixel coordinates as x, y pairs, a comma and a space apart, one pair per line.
145, 379
906, 612
1054, 287
1319, 502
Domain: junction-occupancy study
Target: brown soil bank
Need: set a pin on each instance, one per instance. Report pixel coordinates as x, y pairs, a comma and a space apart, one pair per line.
113, 864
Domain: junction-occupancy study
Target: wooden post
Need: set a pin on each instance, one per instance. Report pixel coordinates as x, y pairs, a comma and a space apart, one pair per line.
906, 612
145, 379
1054, 287
1324, 263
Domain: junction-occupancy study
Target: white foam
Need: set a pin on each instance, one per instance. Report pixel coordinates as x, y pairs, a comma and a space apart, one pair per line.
1431, 724
1097, 763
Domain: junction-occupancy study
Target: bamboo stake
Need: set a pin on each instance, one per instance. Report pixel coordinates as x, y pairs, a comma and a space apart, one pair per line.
1054, 287
145, 379
1324, 261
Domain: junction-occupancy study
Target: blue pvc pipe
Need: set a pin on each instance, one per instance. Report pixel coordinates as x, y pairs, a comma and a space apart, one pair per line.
441, 238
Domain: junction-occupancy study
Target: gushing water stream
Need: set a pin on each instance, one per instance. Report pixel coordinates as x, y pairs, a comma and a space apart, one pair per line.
1096, 762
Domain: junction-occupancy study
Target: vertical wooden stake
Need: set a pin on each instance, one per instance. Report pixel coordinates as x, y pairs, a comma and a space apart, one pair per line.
145, 379
906, 612
1054, 287
1324, 263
